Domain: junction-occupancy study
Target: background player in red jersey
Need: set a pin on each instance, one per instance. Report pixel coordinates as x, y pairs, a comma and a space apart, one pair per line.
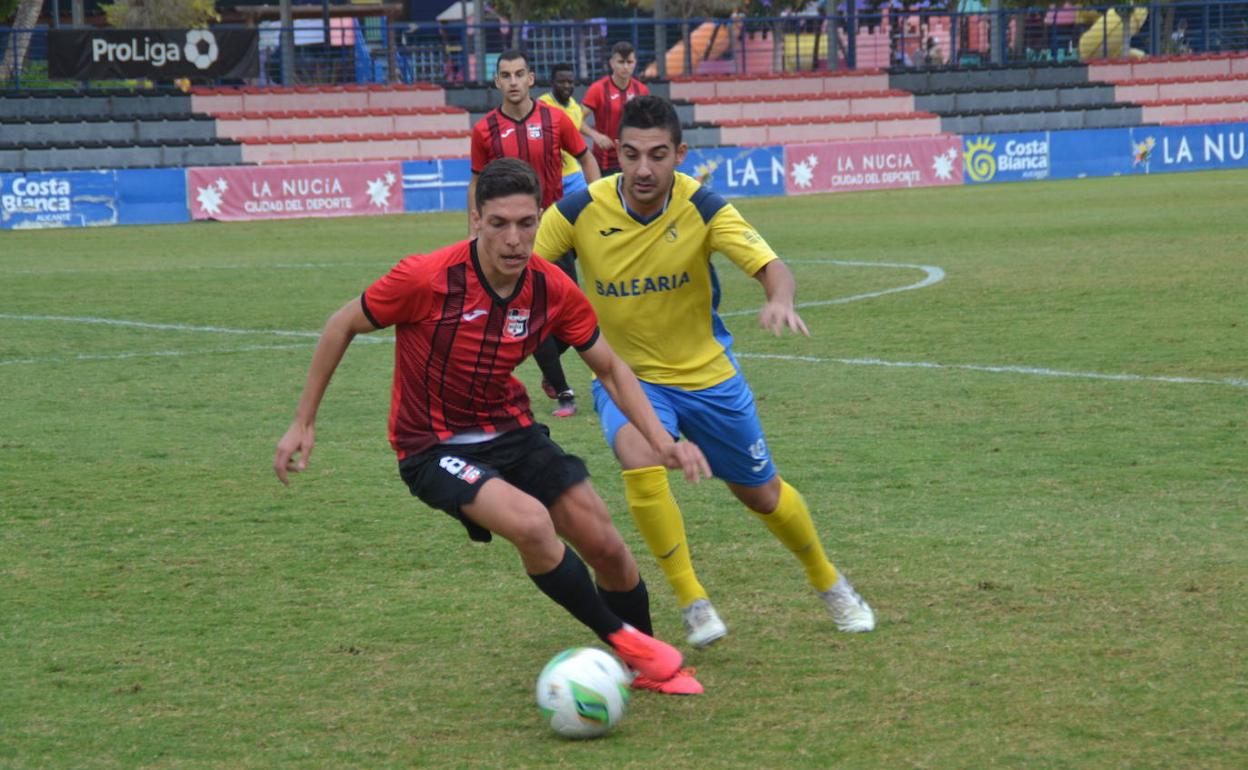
537, 134
522, 127
605, 100
465, 316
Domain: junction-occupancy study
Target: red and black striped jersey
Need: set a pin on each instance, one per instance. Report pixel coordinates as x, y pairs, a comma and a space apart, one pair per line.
539, 139
457, 342
606, 100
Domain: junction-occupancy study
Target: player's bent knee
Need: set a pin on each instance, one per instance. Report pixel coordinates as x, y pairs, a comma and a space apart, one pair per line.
761, 499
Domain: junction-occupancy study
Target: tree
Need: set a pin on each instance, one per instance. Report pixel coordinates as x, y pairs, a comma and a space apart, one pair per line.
518, 12
160, 14
26, 18
7, 7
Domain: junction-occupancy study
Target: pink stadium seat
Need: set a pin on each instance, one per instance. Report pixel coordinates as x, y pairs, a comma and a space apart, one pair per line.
406, 98
855, 82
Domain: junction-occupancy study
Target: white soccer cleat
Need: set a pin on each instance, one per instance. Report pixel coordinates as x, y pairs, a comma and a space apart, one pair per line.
703, 623
849, 610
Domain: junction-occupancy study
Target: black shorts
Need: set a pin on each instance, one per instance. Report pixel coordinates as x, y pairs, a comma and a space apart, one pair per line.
449, 476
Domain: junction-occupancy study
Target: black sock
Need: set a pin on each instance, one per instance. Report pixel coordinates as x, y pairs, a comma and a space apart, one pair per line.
632, 606
572, 588
547, 358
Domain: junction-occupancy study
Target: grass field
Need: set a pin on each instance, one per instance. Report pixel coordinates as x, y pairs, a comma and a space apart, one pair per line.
1032, 461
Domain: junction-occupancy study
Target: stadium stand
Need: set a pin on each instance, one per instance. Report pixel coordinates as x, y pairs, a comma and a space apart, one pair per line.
1001, 99
337, 123
1173, 90
63, 130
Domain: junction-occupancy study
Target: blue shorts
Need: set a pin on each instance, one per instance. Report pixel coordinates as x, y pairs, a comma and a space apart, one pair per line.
574, 182
720, 419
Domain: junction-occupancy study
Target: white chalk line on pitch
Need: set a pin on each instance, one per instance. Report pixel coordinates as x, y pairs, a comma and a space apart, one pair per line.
179, 268
90, 357
932, 275
1030, 370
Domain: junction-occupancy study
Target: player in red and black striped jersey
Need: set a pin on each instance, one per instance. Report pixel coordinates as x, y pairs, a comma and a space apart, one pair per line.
536, 133
465, 316
605, 100
522, 127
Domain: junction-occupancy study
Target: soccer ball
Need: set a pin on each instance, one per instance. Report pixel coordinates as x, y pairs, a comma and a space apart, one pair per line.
582, 692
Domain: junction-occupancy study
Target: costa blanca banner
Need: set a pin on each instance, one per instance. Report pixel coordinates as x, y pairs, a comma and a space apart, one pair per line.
239, 193
1006, 157
874, 164
58, 199
158, 54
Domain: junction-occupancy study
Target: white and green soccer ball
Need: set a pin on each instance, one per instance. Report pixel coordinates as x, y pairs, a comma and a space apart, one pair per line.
583, 692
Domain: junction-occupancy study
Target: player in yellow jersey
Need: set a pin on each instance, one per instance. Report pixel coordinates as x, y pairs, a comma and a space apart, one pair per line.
562, 84
643, 240
554, 381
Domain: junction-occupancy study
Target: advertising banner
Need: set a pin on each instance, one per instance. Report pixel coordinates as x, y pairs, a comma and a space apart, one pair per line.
436, 185
1149, 150
1005, 157
876, 164
733, 171
164, 54
151, 196
58, 199
240, 193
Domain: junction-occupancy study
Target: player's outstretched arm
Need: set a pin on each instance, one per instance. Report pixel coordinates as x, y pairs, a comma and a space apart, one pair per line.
625, 391
589, 165
295, 448
779, 313
600, 140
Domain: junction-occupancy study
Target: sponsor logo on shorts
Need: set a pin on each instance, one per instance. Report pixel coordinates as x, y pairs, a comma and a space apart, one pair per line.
460, 469
758, 451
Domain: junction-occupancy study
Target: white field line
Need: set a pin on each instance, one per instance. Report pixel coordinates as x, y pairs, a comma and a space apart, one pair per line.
86, 357
932, 275
1030, 370
179, 268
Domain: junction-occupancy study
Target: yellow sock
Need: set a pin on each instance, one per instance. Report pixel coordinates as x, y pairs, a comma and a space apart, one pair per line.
658, 519
791, 525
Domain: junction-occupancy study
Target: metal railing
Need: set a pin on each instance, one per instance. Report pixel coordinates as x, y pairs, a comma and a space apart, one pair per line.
375, 50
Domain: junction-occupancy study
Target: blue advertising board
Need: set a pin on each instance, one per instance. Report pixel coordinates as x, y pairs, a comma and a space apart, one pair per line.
1104, 152
1005, 157
733, 171
58, 199
151, 196
436, 185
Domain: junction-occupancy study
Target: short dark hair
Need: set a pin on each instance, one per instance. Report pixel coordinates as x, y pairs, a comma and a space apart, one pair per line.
507, 176
562, 67
623, 48
651, 112
511, 54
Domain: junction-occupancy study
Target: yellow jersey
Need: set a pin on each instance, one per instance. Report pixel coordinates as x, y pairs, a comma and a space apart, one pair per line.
577, 115
651, 281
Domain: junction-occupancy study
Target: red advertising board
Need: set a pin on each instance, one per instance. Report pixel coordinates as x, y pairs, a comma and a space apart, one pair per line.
875, 164
238, 193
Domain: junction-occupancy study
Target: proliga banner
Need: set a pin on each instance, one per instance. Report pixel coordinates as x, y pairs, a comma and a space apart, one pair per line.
240, 193
161, 54
875, 164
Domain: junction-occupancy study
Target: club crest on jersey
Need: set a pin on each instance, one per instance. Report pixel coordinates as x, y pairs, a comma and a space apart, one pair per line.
671, 235
535, 131
517, 323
